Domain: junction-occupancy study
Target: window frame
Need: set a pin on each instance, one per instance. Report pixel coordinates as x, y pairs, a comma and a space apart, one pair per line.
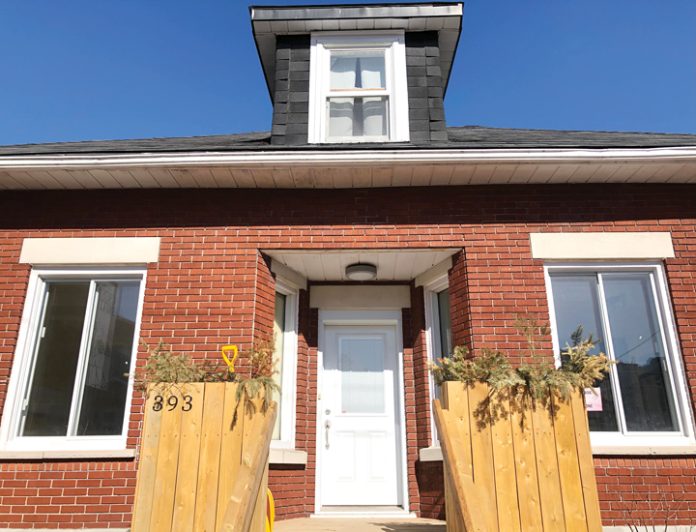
396, 86
683, 406
288, 377
22, 365
432, 340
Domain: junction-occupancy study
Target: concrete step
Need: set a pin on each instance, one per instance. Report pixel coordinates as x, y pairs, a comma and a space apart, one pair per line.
359, 525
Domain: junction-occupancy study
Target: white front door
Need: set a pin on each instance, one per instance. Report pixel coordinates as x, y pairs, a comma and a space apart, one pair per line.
359, 417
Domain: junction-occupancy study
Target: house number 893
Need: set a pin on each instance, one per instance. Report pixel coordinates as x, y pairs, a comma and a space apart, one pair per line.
172, 402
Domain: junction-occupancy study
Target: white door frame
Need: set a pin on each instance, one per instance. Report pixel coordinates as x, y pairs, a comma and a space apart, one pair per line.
367, 318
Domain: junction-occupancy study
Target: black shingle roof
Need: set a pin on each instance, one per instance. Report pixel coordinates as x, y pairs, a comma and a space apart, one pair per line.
467, 137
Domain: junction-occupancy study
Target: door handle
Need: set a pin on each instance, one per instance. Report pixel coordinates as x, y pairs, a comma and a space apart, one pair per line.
327, 426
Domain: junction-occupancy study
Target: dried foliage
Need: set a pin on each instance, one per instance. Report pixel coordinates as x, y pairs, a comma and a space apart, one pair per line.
260, 383
163, 366
170, 370
537, 382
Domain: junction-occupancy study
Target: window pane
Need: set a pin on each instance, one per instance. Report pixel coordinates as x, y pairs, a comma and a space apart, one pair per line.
357, 69
639, 352
576, 302
362, 375
443, 307
50, 395
279, 338
106, 378
357, 117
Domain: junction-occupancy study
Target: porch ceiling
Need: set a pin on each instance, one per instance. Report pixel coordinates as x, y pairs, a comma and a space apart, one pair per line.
392, 264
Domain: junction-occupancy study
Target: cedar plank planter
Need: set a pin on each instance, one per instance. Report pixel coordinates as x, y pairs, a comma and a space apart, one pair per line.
198, 469
528, 469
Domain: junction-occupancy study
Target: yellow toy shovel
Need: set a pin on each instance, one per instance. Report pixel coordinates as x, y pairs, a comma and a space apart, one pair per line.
229, 355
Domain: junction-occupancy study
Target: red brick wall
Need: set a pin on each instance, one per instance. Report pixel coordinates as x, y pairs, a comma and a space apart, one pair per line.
66, 494
647, 491
264, 301
202, 294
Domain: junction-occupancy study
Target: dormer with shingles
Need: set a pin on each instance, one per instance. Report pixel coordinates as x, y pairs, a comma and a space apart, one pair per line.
358, 74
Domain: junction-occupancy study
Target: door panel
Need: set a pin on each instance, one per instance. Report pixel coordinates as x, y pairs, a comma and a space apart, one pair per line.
359, 409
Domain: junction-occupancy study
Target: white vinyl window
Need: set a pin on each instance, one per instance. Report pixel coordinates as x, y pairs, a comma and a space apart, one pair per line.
626, 308
438, 326
285, 359
358, 90
71, 383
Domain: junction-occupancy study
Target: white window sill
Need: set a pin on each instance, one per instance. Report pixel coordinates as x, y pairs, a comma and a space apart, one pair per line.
287, 457
67, 455
609, 444
430, 454
644, 450
434, 454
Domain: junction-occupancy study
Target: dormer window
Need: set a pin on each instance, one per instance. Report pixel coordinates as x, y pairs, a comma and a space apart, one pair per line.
358, 90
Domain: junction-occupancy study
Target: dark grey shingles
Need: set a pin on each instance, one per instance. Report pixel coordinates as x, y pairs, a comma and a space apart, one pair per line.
467, 137
438, 136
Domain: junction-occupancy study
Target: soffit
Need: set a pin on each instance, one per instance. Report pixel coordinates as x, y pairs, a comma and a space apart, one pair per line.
341, 174
392, 264
270, 22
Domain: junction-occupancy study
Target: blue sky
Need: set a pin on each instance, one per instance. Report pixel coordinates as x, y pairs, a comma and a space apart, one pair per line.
78, 69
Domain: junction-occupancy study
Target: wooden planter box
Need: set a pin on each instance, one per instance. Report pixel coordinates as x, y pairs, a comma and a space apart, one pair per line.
203, 461
529, 468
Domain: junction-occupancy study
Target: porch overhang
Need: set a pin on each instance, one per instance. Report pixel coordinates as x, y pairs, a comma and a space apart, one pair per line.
320, 265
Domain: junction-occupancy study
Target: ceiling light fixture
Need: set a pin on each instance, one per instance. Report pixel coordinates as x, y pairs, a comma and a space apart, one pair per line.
361, 272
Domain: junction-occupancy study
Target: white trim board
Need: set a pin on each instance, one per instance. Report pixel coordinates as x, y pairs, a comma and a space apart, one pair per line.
344, 297
601, 246
97, 250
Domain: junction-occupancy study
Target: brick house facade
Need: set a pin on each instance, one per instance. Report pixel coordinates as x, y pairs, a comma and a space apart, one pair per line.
223, 249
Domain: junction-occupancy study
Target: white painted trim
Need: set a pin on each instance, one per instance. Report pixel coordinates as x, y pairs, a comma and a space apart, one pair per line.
97, 250
637, 450
23, 356
287, 456
288, 276
288, 390
621, 443
434, 274
356, 157
366, 514
115, 454
438, 282
601, 246
396, 86
430, 454
363, 317
370, 297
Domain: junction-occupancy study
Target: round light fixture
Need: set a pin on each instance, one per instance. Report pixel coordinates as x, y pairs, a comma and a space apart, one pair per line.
361, 272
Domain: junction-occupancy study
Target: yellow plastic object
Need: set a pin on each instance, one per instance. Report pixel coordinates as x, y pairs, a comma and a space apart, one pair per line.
270, 511
226, 349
